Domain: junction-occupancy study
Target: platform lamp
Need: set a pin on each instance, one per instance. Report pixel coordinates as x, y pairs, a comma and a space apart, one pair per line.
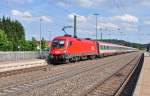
40, 34
96, 23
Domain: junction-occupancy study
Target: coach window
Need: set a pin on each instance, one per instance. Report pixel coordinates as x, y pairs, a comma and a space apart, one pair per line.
104, 47
110, 48
107, 47
100, 47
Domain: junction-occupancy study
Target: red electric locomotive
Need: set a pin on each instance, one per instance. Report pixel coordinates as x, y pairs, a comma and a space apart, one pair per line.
66, 48
70, 49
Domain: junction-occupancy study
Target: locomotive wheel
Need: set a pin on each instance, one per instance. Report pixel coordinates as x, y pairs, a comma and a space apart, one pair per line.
66, 61
92, 57
84, 57
77, 59
72, 59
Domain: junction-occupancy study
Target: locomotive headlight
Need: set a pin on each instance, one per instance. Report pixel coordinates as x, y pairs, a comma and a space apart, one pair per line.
57, 52
60, 52
64, 51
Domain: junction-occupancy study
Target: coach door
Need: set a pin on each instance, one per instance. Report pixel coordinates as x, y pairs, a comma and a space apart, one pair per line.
97, 46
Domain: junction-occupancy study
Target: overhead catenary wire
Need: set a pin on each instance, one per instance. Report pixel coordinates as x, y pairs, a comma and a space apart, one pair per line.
122, 11
119, 4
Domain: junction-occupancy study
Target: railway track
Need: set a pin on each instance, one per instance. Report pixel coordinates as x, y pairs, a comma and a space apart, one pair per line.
20, 68
60, 79
38, 74
51, 70
114, 85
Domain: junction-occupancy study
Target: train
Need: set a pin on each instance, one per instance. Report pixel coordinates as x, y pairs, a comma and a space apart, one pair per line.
71, 49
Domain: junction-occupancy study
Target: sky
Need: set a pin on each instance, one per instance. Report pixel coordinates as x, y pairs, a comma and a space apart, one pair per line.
118, 19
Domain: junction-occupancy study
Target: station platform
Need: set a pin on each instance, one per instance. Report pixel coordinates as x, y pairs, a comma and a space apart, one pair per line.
143, 85
21, 64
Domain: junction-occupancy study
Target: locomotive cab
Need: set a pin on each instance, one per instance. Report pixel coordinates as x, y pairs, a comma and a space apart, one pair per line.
58, 50
58, 46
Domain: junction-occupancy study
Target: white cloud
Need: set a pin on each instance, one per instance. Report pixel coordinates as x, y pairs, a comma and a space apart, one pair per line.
80, 18
46, 18
108, 25
85, 3
88, 3
81, 3
23, 14
144, 2
87, 26
19, 1
87, 23
127, 18
147, 22
63, 3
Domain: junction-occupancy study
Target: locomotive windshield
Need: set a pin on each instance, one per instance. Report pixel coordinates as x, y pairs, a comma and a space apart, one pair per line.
58, 44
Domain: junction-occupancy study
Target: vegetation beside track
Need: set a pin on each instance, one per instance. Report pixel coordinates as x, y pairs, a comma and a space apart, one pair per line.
12, 37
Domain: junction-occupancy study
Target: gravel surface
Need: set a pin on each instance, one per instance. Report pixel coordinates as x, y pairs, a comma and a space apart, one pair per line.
64, 80
4, 81
111, 85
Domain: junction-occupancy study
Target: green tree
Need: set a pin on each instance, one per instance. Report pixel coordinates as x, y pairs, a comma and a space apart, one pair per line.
24, 45
5, 45
14, 31
33, 44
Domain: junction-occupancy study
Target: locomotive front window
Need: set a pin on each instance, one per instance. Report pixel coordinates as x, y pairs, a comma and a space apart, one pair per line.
58, 44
